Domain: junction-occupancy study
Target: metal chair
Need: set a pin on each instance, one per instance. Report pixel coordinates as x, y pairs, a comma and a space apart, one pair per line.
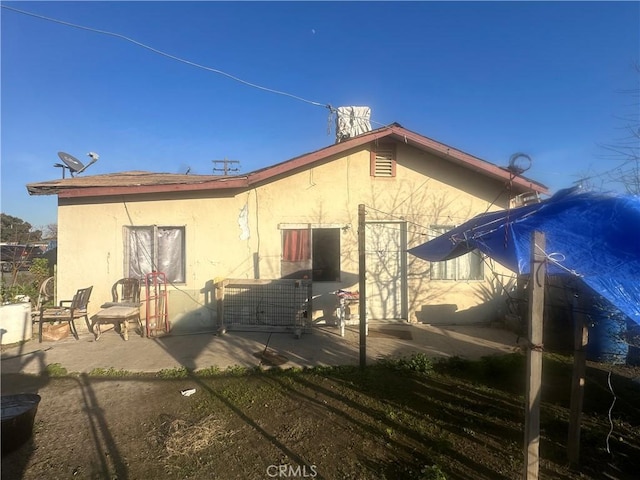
77, 309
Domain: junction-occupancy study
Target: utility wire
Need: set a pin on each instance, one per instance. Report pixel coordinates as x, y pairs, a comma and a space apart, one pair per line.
332, 111
402, 219
173, 57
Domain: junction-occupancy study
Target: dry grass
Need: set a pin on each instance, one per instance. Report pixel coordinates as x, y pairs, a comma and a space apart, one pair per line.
182, 437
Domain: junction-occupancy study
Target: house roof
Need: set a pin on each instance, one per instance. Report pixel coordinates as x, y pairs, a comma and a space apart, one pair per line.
139, 182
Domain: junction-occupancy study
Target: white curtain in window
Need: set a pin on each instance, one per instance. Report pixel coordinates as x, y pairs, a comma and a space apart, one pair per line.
443, 270
464, 267
470, 266
140, 251
477, 265
170, 258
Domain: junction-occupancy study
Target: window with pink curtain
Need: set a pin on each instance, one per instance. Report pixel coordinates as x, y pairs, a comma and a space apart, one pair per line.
296, 245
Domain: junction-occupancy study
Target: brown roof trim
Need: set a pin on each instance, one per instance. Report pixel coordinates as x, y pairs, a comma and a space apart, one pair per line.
145, 182
465, 159
99, 191
403, 135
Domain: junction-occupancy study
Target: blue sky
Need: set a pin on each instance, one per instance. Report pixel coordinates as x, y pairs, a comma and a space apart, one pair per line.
492, 79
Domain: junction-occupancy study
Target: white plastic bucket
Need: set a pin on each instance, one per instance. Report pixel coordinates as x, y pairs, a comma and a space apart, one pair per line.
15, 323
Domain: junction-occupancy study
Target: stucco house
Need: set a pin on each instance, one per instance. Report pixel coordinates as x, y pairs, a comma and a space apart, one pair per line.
296, 219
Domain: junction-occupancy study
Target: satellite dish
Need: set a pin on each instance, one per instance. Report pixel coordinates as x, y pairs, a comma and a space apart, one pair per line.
74, 165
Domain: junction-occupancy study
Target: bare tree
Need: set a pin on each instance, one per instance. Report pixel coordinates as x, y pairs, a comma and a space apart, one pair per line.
626, 150
51, 231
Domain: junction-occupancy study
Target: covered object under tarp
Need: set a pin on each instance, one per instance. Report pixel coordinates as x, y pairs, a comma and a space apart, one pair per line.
593, 236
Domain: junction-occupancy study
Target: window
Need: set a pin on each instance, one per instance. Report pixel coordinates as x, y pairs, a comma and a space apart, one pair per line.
466, 267
383, 160
155, 248
312, 253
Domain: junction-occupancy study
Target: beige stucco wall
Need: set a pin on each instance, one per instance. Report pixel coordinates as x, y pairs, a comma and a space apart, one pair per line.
426, 191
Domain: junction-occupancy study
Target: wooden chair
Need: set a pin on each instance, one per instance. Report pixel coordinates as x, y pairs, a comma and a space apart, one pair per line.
77, 309
45, 295
124, 307
125, 293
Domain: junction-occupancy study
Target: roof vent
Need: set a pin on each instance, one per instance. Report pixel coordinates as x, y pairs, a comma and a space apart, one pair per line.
351, 122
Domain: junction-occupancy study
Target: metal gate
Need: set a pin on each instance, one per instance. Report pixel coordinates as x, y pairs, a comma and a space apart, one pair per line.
271, 305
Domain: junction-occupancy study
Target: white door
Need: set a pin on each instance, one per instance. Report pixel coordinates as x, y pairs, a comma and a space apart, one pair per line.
386, 270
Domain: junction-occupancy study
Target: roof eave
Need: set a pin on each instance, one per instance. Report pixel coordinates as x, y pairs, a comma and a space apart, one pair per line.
465, 159
79, 192
396, 131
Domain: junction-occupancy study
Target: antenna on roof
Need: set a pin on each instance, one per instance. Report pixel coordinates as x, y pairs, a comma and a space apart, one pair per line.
71, 163
519, 163
225, 166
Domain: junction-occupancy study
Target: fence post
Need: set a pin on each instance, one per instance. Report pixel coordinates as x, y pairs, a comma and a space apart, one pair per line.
534, 357
580, 338
220, 304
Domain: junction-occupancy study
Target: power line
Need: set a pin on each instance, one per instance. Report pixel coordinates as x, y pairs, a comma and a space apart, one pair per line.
332, 110
168, 55
400, 218
435, 231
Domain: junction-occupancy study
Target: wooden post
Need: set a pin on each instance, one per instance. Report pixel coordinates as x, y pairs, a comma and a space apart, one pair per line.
219, 286
362, 268
581, 338
534, 357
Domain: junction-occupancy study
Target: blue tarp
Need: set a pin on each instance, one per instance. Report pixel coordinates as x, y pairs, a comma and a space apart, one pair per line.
594, 236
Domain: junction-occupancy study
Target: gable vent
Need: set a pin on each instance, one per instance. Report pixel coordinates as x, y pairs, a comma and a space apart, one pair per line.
383, 162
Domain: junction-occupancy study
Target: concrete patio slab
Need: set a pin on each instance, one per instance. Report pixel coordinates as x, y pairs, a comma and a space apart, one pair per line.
323, 346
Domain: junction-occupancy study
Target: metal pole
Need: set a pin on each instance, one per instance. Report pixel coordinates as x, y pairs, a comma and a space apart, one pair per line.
362, 269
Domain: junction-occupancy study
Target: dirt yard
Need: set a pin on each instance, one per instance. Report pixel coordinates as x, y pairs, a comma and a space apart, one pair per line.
396, 420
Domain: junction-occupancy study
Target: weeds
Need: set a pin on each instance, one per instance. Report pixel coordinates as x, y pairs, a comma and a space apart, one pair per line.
237, 370
56, 370
432, 472
212, 371
172, 373
418, 362
109, 372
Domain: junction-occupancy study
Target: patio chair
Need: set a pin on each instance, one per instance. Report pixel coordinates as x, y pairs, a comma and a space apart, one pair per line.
45, 295
77, 309
124, 293
124, 307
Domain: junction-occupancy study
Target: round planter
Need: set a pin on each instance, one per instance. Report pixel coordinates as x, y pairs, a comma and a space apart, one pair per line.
15, 323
